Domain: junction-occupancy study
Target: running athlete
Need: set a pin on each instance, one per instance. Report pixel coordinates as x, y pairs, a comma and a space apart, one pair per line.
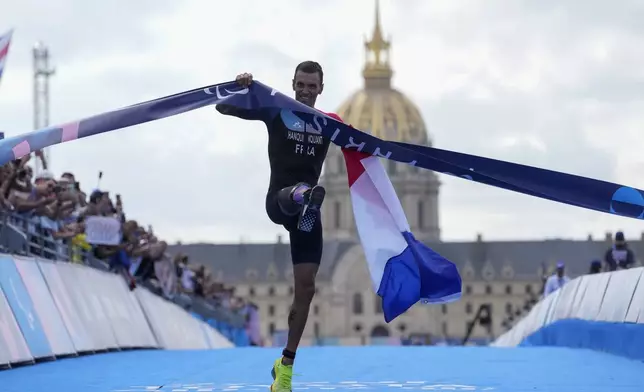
296, 152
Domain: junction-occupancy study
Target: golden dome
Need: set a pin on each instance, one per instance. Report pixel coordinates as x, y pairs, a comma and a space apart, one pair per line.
378, 108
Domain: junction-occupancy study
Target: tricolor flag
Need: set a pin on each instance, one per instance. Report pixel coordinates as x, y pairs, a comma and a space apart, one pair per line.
403, 270
5, 41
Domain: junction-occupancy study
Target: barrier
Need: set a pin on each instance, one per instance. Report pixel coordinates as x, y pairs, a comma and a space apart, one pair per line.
602, 312
50, 310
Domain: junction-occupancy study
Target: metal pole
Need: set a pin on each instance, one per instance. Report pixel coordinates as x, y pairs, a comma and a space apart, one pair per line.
42, 73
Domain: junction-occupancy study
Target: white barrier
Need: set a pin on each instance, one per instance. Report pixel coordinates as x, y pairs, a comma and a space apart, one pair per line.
610, 297
51, 309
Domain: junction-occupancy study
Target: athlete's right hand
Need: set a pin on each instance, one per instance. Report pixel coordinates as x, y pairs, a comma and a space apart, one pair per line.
244, 79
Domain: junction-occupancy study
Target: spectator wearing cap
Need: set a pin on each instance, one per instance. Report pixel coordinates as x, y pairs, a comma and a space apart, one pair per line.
619, 255
556, 280
595, 267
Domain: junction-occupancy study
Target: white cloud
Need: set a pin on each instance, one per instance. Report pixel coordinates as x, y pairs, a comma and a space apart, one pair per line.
558, 85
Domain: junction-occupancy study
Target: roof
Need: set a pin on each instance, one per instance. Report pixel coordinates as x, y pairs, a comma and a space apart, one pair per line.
477, 260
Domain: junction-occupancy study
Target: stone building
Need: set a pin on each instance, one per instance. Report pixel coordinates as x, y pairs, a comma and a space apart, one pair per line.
503, 275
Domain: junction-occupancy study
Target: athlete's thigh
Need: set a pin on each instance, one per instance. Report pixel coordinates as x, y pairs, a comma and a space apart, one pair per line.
275, 213
307, 247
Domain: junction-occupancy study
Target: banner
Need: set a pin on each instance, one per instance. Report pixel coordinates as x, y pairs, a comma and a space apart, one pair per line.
113, 308
54, 328
13, 348
84, 304
103, 230
69, 312
91, 291
23, 309
57, 308
258, 100
145, 336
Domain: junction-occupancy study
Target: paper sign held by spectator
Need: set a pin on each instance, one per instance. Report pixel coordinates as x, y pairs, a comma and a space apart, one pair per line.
103, 230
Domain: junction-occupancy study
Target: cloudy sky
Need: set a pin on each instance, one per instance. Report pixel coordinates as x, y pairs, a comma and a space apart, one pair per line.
543, 83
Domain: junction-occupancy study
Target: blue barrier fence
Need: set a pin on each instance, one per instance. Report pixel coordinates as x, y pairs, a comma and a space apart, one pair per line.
26, 236
603, 312
50, 310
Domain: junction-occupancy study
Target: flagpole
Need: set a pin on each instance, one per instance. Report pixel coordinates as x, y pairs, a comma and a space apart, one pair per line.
42, 73
3, 59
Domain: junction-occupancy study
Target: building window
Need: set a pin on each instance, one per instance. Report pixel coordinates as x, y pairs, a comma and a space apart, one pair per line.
468, 289
337, 211
421, 214
271, 310
528, 289
378, 305
357, 303
488, 289
468, 308
251, 292
316, 310
291, 290
271, 291
508, 289
271, 329
402, 328
444, 328
508, 308
316, 329
444, 308
341, 163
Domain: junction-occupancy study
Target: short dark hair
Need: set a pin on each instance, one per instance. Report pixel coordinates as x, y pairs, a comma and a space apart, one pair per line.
310, 67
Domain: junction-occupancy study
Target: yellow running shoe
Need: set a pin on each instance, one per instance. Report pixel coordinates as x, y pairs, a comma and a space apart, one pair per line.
282, 375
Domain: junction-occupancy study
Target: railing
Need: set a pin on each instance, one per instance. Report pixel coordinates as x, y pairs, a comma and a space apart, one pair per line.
31, 235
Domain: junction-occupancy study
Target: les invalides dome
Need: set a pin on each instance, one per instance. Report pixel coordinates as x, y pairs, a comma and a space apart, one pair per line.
387, 113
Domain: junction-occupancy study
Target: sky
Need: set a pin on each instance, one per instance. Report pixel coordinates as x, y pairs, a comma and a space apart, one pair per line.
558, 85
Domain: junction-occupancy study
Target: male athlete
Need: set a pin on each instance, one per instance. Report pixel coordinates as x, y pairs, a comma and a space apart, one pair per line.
296, 152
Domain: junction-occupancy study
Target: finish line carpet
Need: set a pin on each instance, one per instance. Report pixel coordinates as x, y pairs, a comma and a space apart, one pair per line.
336, 369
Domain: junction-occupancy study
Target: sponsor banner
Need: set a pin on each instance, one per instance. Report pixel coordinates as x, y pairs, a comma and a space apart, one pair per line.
155, 318
132, 327
216, 339
172, 326
52, 323
113, 310
93, 291
13, 348
23, 309
68, 310
619, 294
183, 332
146, 337
86, 304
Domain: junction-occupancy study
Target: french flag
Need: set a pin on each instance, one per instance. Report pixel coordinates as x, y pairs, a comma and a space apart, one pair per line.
403, 270
5, 41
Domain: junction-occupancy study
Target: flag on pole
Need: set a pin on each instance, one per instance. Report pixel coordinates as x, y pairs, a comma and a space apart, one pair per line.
403, 270
5, 41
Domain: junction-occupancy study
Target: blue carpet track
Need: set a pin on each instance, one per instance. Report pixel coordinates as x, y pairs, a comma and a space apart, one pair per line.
337, 369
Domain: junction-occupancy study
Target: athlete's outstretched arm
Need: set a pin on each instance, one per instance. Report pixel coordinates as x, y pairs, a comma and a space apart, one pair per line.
244, 114
244, 80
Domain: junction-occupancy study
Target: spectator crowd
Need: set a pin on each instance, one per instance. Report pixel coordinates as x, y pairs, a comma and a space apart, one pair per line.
60, 222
